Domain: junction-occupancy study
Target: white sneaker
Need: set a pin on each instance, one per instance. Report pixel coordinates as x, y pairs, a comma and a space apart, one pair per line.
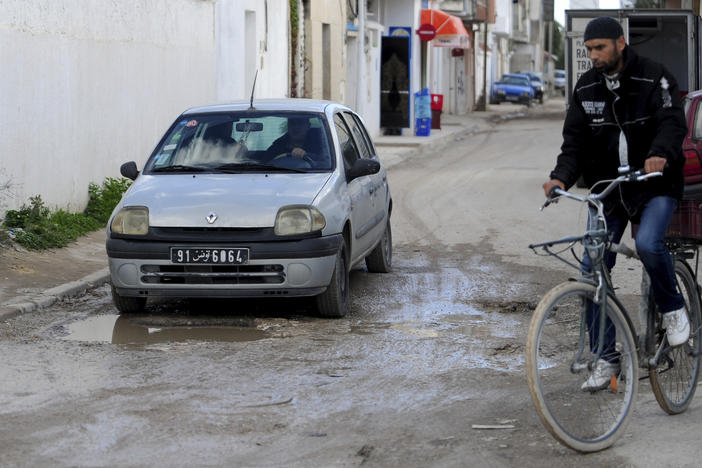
601, 376
677, 327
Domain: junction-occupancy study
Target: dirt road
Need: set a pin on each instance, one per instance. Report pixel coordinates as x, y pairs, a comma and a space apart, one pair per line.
426, 353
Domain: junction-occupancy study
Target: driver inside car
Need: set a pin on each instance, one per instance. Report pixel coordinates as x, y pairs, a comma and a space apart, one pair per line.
297, 142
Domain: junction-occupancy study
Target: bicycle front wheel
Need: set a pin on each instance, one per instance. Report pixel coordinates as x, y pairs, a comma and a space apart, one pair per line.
674, 379
586, 421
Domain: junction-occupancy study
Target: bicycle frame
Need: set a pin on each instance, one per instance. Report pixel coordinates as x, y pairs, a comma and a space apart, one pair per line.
596, 242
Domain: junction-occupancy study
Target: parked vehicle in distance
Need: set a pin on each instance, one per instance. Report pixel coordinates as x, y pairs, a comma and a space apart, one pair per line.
559, 81
273, 198
537, 85
512, 87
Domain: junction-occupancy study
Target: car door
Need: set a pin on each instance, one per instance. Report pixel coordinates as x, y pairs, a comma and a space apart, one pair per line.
378, 190
359, 190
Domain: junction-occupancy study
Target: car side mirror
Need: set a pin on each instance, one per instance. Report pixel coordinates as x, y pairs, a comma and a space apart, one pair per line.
363, 167
129, 170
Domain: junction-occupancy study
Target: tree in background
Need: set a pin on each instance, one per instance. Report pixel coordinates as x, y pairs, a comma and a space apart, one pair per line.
558, 45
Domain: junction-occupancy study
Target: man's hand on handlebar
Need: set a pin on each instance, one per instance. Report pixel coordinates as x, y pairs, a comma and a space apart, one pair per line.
548, 186
654, 164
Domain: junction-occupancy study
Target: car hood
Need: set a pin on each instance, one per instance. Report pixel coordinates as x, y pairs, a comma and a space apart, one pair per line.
238, 200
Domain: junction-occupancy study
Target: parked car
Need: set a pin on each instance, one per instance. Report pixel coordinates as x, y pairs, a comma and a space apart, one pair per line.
228, 205
559, 81
512, 87
536, 84
692, 145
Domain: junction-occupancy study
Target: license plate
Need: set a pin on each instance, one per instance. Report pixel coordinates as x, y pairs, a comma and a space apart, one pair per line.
512, 98
210, 255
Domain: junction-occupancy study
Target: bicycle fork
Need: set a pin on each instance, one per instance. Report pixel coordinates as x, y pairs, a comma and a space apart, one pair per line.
599, 302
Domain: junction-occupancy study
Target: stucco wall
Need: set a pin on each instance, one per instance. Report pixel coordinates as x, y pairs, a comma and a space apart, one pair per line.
88, 85
331, 13
267, 47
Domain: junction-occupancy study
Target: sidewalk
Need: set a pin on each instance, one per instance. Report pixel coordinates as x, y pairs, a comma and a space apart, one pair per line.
32, 280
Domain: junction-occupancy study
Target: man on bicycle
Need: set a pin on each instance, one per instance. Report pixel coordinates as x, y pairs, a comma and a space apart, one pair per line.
626, 111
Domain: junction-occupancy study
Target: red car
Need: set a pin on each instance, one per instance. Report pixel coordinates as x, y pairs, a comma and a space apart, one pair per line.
687, 218
692, 145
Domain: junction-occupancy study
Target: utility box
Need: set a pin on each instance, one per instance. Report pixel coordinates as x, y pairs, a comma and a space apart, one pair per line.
670, 37
437, 106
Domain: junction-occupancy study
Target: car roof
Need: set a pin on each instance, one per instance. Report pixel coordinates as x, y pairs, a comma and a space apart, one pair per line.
286, 105
693, 94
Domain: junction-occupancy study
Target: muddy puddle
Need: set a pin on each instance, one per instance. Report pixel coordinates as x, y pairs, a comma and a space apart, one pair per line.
119, 329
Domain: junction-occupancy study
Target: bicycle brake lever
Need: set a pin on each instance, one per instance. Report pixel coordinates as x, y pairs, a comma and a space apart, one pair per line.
552, 198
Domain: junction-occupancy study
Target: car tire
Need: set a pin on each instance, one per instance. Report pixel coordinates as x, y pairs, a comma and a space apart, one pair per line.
127, 305
334, 301
380, 258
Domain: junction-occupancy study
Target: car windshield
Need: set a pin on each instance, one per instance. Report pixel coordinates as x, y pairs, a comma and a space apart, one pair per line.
559, 74
515, 80
245, 142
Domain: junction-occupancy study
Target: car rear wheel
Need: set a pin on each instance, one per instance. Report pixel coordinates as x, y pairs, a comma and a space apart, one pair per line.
334, 302
380, 258
128, 305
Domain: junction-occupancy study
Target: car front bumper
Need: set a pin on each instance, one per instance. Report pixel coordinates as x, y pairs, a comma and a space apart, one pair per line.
280, 268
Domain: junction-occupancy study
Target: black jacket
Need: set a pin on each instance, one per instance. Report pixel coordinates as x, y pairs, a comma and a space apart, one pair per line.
647, 108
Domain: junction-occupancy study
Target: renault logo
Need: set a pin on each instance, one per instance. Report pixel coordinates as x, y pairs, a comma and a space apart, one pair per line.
212, 217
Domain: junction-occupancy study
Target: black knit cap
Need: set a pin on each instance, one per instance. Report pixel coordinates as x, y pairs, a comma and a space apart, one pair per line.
603, 27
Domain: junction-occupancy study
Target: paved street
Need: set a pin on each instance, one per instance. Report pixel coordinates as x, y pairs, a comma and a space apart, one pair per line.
427, 353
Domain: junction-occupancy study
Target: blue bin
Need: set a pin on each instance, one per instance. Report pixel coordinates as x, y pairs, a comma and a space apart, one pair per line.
422, 127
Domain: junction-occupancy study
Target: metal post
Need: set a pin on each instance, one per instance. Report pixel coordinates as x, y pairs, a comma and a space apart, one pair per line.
482, 104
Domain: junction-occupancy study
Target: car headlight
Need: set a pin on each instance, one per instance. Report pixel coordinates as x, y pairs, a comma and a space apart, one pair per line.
500, 91
131, 220
526, 93
298, 219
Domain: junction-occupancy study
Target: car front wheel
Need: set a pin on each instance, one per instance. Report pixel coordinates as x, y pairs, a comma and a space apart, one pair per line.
380, 258
128, 305
334, 302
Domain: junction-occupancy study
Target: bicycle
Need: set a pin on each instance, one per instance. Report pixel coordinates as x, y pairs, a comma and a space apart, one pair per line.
560, 355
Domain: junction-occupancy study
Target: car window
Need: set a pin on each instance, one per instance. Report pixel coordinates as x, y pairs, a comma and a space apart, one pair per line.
210, 142
349, 151
697, 131
366, 137
515, 80
357, 132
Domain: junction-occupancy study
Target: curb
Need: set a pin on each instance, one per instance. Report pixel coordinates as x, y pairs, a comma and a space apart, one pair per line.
50, 296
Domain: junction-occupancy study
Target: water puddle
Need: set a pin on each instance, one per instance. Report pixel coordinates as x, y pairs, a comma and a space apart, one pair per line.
119, 329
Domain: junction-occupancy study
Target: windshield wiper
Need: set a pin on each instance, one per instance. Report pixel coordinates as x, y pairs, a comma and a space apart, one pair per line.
240, 167
178, 168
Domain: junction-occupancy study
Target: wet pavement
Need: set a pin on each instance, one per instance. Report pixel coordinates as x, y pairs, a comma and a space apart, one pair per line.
427, 363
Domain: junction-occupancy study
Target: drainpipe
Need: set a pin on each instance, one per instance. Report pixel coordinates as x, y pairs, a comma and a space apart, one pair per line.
361, 68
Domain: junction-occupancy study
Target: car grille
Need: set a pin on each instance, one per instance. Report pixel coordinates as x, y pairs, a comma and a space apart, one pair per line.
212, 274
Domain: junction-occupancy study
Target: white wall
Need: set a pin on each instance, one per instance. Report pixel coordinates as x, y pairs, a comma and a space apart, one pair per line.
265, 48
88, 85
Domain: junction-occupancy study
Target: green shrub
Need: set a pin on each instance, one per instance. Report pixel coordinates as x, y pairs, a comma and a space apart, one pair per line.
36, 227
102, 200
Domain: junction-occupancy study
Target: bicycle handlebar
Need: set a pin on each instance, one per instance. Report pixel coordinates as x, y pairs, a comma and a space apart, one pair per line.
635, 176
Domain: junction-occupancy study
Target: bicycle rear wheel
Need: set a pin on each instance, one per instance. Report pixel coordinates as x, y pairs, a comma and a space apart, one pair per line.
582, 420
674, 379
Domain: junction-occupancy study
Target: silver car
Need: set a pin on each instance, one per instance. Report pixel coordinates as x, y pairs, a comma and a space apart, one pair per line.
273, 198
